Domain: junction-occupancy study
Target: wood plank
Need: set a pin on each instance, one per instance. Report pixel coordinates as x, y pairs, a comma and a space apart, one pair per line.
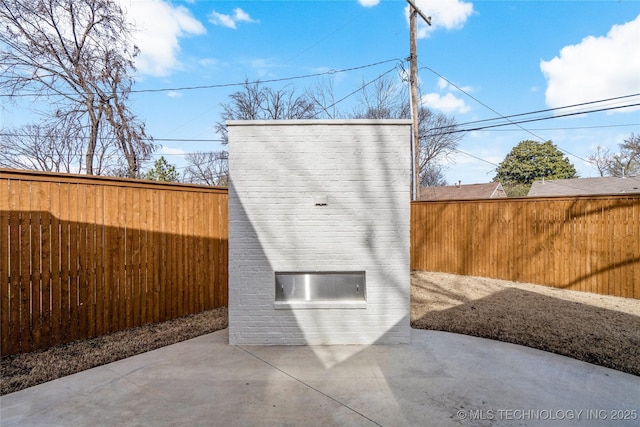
146, 302
195, 242
134, 224
575, 266
176, 255
89, 255
619, 237
121, 265
159, 255
129, 248
37, 253
5, 236
56, 266
167, 246
601, 248
215, 230
101, 255
606, 252
588, 242
210, 249
180, 256
635, 239
84, 249
74, 259
207, 242
14, 267
182, 283
224, 245
47, 262
627, 251
533, 239
25, 267
111, 267
190, 300
591, 282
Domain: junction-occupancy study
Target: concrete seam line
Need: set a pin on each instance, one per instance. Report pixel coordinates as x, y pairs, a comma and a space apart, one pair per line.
310, 386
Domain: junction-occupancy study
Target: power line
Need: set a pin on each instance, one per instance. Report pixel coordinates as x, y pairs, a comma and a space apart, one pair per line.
224, 85
554, 109
568, 128
533, 120
186, 140
283, 79
475, 157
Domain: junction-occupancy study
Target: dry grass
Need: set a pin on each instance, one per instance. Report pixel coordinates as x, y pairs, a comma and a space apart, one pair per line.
26, 370
598, 329
593, 328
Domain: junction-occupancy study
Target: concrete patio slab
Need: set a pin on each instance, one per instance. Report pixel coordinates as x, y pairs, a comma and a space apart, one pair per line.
440, 379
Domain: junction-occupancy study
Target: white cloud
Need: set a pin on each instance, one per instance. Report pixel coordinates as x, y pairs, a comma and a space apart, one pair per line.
242, 16
208, 62
262, 66
445, 85
172, 151
368, 3
447, 14
230, 21
159, 26
447, 103
173, 94
596, 68
220, 19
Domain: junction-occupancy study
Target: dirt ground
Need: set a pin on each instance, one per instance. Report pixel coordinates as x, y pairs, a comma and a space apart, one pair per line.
594, 328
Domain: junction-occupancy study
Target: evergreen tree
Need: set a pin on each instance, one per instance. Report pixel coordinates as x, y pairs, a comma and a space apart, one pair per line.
530, 161
163, 171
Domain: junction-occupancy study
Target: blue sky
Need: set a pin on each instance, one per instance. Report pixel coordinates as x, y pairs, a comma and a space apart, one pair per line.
512, 56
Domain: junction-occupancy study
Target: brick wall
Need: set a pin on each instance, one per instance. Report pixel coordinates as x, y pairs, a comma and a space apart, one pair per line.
278, 171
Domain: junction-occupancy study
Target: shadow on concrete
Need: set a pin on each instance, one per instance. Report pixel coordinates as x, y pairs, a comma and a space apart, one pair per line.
592, 334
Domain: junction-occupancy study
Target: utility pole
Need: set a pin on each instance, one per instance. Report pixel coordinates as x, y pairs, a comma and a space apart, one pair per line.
413, 82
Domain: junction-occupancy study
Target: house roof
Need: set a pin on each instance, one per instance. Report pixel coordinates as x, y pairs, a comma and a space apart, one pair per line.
490, 190
585, 186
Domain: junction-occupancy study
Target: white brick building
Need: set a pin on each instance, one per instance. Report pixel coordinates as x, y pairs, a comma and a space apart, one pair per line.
319, 196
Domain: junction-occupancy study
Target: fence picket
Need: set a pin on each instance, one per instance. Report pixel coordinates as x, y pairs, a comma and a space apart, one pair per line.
5, 308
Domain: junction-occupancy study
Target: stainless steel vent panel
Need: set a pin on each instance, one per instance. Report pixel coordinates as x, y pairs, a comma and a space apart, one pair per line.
320, 286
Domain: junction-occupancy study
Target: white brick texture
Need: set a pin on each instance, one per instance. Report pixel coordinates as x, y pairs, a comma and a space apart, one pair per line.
278, 170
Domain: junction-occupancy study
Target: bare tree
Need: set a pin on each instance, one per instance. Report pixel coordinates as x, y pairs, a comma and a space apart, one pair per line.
55, 146
323, 98
437, 137
601, 159
386, 99
432, 175
76, 54
382, 99
624, 163
40, 147
209, 168
256, 102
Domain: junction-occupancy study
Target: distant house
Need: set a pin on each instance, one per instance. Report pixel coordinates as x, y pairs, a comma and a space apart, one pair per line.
490, 190
585, 186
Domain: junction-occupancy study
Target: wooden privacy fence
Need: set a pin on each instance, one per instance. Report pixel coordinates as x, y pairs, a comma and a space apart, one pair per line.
84, 256
582, 243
